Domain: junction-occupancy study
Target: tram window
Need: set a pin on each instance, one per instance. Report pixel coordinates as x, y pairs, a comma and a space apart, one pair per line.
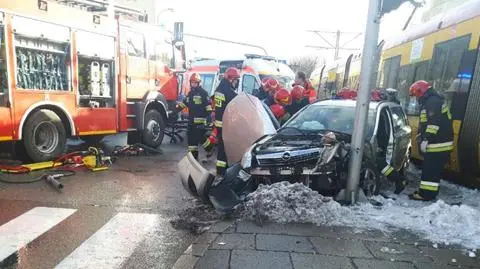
446, 62
419, 73
390, 72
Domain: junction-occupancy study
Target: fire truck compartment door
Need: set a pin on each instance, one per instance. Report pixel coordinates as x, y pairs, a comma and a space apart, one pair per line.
6, 128
137, 65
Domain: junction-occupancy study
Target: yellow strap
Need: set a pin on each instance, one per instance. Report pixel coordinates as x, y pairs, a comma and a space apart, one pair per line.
429, 186
208, 108
206, 144
182, 105
387, 170
218, 123
199, 120
433, 129
221, 164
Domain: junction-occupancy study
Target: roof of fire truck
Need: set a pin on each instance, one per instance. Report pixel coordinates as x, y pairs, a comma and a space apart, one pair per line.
80, 14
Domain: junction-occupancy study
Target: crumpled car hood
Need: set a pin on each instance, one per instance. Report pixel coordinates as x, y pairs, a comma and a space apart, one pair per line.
244, 122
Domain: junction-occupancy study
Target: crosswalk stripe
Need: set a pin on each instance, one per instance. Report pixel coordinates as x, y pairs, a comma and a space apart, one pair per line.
25, 228
112, 244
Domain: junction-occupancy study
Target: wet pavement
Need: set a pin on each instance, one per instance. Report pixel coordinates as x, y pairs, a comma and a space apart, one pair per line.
118, 218
244, 244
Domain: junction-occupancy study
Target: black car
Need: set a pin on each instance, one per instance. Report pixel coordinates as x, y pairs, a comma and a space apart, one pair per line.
313, 146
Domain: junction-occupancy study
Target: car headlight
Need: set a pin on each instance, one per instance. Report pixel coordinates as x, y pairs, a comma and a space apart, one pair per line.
247, 159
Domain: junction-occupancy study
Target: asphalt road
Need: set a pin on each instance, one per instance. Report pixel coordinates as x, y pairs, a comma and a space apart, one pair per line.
118, 218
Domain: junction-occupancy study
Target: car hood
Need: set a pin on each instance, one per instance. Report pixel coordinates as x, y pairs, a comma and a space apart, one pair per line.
245, 121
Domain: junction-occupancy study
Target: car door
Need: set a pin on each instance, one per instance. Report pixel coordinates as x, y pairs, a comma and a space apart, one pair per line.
401, 132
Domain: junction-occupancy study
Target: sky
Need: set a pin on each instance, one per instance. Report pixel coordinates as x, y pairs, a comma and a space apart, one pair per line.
281, 27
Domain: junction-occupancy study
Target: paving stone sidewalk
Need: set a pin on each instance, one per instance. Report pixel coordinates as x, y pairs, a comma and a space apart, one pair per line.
245, 245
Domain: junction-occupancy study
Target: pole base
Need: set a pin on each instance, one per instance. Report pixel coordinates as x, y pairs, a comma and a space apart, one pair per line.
360, 197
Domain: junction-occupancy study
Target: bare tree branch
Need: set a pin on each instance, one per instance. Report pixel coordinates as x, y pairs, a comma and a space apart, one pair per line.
306, 64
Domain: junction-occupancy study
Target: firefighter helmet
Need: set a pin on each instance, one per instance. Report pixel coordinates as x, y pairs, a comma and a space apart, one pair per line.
232, 73
195, 77
282, 97
278, 111
271, 85
419, 88
297, 93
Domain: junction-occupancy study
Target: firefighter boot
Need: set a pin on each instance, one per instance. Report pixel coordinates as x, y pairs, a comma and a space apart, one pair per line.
400, 184
419, 197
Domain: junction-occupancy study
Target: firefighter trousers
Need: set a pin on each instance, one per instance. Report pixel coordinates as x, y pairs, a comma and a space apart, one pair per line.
221, 155
432, 170
195, 136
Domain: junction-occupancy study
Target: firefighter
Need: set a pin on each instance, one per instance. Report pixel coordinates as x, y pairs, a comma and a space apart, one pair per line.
199, 108
298, 100
224, 93
283, 98
278, 111
262, 92
271, 87
309, 93
435, 137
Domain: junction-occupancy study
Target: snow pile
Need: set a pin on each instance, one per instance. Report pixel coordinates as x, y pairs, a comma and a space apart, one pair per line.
284, 202
439, 222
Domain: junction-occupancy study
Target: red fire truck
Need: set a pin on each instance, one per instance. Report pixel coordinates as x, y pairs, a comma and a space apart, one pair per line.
69, 71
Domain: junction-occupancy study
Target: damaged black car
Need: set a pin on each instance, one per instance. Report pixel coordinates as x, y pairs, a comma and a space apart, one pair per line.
313, 148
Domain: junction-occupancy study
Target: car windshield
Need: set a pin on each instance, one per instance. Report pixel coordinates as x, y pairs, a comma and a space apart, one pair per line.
318, 118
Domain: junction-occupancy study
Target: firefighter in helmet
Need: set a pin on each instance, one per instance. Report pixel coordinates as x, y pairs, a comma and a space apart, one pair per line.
224, 93
435, 138
298, 100
199, 108
271, 87
309, 93
262, 92
283, 98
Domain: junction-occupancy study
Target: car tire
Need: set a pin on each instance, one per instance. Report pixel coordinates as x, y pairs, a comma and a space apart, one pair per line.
370, 180
153, 129
44, 136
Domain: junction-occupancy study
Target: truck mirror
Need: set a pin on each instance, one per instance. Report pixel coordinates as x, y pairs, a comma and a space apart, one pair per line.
178, 31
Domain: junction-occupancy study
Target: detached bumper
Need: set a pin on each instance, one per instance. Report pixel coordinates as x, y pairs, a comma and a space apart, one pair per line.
195, 179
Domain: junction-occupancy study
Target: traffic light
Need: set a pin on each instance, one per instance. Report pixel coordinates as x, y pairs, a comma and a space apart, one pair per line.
390, 5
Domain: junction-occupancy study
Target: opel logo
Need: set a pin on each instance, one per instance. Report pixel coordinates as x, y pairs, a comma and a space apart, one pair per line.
286, 156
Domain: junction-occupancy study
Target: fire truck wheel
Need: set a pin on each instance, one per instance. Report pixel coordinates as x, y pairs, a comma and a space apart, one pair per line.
44, 136
153, 128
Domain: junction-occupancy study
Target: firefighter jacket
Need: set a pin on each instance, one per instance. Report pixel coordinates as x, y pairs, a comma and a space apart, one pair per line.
436, 123
223, 95
198, 105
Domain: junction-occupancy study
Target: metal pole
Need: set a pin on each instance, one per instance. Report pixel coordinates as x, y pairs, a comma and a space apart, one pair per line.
363, 100
337, 45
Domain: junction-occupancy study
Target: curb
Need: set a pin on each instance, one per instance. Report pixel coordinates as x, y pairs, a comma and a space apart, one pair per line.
195, 251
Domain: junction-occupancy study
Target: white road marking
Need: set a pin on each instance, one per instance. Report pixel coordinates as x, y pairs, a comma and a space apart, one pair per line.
25, 228
112, 244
